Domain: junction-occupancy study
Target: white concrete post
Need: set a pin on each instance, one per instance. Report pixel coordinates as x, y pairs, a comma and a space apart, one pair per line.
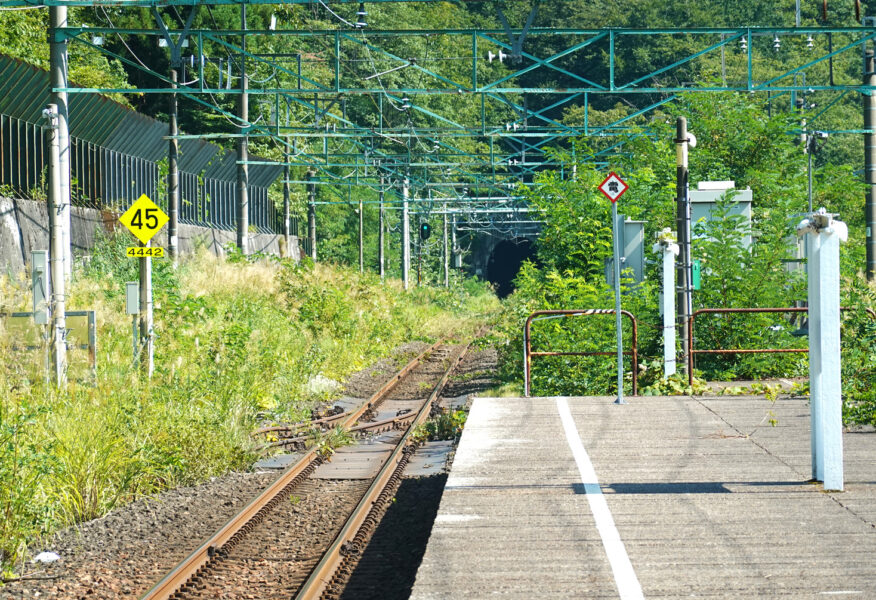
57, 247
825, 383
58, 74
667, 247
406, 237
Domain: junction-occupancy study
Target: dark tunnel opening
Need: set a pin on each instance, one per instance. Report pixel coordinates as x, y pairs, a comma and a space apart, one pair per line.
505, 262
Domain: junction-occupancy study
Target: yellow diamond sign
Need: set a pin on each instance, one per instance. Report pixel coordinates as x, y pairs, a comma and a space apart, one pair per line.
144, 218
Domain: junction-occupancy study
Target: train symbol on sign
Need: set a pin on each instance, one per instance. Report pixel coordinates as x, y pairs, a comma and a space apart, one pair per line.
613, 187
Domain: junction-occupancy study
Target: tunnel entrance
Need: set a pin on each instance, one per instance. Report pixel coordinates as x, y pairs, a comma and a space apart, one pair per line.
505, 261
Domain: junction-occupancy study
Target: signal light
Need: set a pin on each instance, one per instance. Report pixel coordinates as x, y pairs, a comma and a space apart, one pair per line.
425, 231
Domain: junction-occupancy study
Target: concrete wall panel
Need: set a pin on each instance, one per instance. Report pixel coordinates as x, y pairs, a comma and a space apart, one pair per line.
24, 226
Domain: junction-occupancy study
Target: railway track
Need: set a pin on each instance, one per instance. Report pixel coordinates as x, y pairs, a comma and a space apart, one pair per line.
300, 537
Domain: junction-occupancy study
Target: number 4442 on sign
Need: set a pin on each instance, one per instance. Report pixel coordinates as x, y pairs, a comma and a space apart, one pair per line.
144, 219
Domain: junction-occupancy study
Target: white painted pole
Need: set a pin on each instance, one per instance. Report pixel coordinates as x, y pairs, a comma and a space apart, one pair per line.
825, 235
446, 252
669, 249
813, 243
406, 237
56, 252
58, 71
147, 333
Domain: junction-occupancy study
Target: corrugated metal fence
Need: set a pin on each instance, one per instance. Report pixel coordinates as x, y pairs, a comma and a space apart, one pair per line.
104, 178
115, 157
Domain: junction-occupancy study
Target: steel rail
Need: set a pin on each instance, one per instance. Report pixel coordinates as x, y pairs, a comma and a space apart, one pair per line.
376, 397
188, 568
346, 543
358, 430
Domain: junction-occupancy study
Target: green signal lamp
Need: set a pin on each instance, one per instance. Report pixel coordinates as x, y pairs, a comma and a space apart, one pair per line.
425, 231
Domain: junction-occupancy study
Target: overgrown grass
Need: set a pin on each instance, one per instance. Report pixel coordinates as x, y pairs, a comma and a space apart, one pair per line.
236, 342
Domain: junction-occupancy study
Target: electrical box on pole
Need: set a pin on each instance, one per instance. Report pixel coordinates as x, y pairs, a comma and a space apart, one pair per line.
632, 251
40, 286
132, 307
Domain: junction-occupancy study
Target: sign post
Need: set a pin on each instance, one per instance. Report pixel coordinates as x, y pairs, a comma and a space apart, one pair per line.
614, 187
144, 219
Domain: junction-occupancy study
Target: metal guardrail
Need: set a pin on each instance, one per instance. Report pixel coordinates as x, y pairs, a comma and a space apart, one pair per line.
554, 314
690, 326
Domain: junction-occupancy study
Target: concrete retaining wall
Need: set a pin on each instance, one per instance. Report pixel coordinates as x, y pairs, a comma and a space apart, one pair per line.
24, 226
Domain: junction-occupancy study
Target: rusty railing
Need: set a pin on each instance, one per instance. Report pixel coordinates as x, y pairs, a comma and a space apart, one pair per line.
554, 314
690, 326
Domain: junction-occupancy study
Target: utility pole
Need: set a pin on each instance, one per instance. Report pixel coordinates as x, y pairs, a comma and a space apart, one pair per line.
287, 233
361, 237
380, 226
453, 247
311, 213
684, 302
58, 73
446, 252
56, 251
406, 237
869, 164
243, 148
173, 165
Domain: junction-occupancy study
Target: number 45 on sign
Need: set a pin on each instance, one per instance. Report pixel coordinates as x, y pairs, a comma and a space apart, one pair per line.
144, 219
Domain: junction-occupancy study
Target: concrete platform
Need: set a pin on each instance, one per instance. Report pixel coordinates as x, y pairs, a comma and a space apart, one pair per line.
430, 459
659, 498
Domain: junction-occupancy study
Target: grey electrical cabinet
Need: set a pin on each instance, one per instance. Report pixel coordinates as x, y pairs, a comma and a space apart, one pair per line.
40, 286
704, 201
632, 251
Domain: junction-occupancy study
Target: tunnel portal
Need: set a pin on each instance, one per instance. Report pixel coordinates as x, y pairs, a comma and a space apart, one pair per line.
505, 262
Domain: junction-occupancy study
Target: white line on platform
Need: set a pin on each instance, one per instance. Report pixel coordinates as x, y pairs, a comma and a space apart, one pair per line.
624, 576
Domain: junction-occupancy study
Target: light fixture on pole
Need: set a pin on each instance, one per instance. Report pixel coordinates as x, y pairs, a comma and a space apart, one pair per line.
360, 17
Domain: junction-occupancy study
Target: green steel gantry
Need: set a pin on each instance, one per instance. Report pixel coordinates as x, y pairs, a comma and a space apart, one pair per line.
473, 122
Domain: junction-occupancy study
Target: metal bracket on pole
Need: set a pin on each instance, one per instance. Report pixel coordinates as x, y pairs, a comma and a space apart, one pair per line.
517, 42
182, 38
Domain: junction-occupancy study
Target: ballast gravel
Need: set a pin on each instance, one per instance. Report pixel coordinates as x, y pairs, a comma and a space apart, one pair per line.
124, 553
